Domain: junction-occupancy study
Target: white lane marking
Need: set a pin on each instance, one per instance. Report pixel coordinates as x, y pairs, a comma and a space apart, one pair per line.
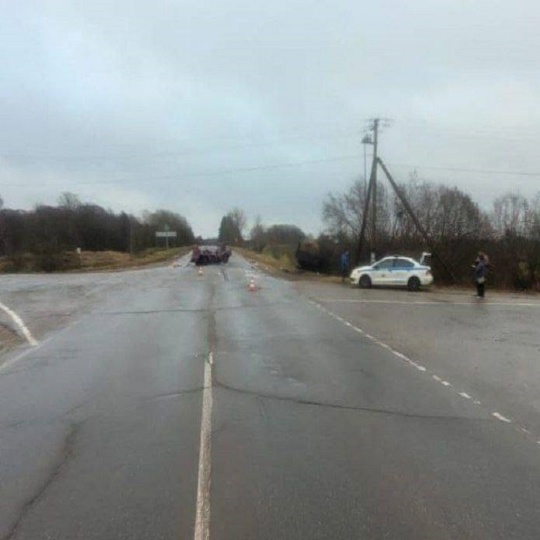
20, 325
402, 356
202, 519
426, 303
26, 353
405, 358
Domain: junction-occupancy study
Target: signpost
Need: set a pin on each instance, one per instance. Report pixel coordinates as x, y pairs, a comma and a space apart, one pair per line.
166, 234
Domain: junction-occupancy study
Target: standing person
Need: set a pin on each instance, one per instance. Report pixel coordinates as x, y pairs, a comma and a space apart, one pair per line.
480, 273
344, 265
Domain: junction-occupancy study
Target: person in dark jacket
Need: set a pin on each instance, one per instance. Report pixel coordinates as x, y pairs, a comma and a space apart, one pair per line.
344, 265
480, 274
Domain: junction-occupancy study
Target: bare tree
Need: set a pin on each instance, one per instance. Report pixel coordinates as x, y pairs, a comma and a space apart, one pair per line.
239, 219
68, 200
342, 213
510, 215
257, 234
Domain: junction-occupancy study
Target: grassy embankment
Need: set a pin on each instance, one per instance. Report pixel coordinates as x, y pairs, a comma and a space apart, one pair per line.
280, 260
90, 260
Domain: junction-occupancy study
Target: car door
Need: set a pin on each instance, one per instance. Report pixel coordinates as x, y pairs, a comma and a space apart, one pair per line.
382, 272
402, 271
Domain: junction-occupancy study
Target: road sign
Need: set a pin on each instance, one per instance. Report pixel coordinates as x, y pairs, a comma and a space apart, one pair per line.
166, 234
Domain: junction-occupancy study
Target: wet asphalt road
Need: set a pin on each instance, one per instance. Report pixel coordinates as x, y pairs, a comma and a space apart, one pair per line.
318, 430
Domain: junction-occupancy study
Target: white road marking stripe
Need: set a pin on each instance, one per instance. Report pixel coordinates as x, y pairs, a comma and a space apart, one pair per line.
20, 325
426, 303
496, 415
26, 353
501, 417
202, 519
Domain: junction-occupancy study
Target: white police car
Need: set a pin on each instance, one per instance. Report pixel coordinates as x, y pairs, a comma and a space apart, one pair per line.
393, 271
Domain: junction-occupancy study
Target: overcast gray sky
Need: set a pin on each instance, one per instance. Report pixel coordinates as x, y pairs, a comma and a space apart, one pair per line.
199, 106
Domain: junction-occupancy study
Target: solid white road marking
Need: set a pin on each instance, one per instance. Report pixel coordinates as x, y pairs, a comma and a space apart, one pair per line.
20, 325
426, 303
202, 519
28, 352
501, 417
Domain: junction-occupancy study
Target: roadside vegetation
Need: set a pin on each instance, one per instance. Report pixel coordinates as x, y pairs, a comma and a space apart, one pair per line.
457, 229
74, 236
69, 261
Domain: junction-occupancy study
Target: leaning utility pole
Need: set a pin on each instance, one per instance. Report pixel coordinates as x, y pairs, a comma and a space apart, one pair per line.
415, 220
371, 200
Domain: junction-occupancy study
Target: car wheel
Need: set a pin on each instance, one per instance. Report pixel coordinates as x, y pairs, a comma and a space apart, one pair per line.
364, 282
413, 284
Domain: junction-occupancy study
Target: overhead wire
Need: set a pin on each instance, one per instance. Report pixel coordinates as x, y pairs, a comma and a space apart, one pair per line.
239, 170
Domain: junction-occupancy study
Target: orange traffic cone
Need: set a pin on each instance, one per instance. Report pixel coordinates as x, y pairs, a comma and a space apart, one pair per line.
252, 287
200, 272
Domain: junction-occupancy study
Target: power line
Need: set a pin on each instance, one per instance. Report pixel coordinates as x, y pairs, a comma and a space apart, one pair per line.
187, 176
467, 170
187, 152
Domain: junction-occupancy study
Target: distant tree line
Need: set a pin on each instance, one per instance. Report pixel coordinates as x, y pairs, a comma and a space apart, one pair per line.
47, 231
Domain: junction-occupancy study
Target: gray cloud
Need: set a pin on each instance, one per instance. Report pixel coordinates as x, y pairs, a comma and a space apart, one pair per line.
190, 105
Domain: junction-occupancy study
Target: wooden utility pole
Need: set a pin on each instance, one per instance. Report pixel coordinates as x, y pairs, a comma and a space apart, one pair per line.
371, 195
373, 179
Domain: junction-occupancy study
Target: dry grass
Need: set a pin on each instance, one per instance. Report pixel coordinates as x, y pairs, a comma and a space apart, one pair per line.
113, 260
96, 260
284, 267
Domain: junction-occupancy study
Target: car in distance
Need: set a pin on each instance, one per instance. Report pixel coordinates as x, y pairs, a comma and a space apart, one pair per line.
395, 271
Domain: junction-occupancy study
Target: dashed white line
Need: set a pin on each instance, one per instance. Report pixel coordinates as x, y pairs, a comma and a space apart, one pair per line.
20, 325
202, 519
419, 367
500, 417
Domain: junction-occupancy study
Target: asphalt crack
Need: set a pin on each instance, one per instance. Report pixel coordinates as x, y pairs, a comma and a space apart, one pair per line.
65, 454
341, 406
